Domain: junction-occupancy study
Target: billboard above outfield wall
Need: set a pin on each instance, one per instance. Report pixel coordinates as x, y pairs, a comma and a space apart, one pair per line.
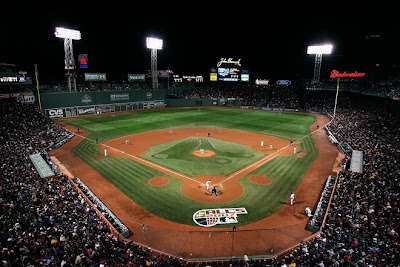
95, 77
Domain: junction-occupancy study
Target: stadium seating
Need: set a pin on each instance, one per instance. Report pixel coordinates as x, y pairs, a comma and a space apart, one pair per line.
47, 222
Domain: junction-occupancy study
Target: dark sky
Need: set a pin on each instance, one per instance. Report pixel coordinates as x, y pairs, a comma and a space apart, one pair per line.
270, 40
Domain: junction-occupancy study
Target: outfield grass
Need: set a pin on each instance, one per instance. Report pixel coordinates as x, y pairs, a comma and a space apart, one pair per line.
132, 177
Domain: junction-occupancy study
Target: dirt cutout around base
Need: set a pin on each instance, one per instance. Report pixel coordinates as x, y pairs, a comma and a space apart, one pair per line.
260, 179
205, 154
159, 181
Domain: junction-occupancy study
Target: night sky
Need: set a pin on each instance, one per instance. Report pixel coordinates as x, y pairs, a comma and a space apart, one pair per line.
270, 40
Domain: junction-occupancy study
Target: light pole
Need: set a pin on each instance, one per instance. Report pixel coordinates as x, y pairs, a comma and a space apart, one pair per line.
318, 51
68, 35
154, 44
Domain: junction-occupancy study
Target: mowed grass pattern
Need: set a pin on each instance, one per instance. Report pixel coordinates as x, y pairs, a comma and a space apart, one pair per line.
177, 155
168, 201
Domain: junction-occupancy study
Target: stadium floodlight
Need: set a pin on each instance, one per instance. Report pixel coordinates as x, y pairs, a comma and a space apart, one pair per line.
65, 33
68, 35
154, 44
318, 51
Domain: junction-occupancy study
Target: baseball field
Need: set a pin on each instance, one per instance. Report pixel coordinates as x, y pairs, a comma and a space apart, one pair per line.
159, 170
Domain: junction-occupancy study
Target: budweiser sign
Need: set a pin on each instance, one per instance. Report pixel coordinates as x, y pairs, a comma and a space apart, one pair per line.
337, 74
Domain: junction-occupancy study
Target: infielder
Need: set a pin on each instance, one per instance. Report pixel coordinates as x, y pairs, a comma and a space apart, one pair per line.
202, 151
208, 184
294, 150
262, 143
105, 152
270, 147
292, 197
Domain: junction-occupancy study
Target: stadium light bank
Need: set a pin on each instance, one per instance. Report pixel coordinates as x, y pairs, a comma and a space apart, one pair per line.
68, 35
154, 44
318, 51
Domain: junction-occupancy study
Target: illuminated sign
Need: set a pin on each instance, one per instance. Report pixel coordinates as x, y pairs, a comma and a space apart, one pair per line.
262, 82
136, 77
244, 77
10, 79
95, 77
230, 60
228, 74
83, 61
283, 82
213, 77
337, 74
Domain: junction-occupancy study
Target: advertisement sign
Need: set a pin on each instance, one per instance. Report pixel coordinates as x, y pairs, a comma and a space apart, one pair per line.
228, 74
212, 217
136, 77
283, 82
213, 77
337, 74
244, 77
83, 61
262, 82
95, 77
119, 97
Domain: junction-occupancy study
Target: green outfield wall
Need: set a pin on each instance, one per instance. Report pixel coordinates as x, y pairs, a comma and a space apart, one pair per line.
73, 104
190, 102
74, 99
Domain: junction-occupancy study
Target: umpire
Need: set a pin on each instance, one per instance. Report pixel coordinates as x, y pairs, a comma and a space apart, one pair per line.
214, 190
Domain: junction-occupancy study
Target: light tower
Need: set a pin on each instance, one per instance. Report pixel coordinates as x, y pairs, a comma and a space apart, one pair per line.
318, 51
154, 44
68, 35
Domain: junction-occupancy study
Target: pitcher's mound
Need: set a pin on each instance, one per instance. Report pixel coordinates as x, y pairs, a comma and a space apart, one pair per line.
207, 153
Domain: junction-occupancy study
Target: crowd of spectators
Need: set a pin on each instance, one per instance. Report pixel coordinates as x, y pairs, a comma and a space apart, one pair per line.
246, 95
362, 226
47, 222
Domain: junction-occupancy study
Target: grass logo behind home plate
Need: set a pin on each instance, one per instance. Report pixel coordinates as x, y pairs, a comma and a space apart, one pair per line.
211, 217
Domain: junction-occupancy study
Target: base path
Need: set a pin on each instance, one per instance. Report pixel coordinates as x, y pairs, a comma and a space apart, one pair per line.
194, 187
168, 233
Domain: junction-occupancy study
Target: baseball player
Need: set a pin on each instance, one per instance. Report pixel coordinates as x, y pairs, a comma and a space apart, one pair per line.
170, 131
270, 147
308, 212
105, 152
202, 151
262, 143
292, 197
208, 184
294, 150
214, 190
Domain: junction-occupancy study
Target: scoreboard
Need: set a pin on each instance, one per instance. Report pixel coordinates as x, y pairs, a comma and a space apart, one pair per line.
229, 74
229, 70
